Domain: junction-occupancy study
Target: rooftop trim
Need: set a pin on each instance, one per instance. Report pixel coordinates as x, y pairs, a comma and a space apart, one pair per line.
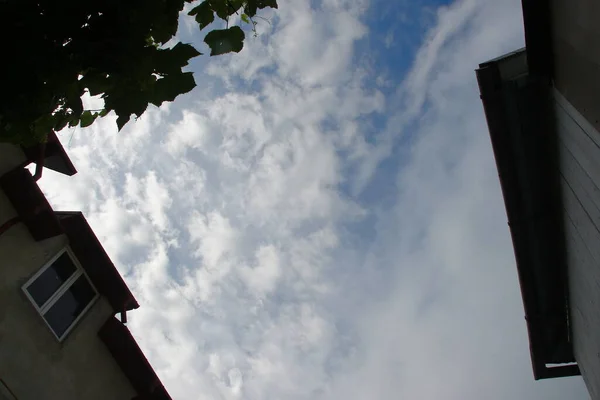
53, 155
524, 142
97, 264
134, 364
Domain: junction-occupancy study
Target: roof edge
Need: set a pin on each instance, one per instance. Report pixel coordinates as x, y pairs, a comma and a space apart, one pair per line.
547, 323
95, 260
132, 361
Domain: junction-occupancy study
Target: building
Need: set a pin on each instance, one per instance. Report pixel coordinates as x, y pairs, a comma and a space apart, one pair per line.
63, 304
542, 106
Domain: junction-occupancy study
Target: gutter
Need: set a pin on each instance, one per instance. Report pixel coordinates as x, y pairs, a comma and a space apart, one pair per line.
515, 141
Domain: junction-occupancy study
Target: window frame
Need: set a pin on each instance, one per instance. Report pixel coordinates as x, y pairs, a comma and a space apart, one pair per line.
79, 271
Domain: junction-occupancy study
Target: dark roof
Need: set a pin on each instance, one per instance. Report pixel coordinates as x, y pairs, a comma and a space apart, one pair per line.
519, 118
36, 213
132, 361
30, 204
107, 280
94, 260
504, 57
42, 222
55, 156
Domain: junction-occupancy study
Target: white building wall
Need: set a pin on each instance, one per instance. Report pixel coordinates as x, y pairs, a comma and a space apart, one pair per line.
34, 365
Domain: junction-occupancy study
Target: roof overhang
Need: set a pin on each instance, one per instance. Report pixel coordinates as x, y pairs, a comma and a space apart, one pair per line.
31, 205
94, 260
519, 115
132, 361
52, 154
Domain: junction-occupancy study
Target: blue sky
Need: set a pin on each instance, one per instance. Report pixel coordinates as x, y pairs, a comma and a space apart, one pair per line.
321, 217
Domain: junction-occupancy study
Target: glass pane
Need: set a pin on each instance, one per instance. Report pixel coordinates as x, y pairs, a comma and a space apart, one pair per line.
70, 305
51, 279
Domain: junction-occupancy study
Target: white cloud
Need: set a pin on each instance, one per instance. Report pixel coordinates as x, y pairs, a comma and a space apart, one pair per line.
214, 237
282, 245
263, 276
189, 132
152, 194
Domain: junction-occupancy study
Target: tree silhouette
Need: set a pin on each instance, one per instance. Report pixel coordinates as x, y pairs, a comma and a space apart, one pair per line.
55, 51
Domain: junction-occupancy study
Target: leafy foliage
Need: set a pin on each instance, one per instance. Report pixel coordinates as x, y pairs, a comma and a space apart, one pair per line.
223, 41
204, 13
55, 51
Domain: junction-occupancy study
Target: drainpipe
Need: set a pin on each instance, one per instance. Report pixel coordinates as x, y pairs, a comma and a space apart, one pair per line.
39, 164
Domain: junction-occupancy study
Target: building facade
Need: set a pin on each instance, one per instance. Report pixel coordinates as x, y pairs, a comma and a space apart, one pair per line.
542, 105
63, 304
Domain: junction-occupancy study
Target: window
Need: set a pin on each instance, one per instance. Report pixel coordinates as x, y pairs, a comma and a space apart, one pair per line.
61, 293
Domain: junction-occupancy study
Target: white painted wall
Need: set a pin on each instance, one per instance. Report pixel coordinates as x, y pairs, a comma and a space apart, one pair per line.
33, 364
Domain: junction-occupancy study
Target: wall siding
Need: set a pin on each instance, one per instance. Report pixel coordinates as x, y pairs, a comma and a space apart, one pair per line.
576, 39
579, 152
10, 157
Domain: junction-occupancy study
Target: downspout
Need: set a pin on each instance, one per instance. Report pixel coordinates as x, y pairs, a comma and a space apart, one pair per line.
39, 164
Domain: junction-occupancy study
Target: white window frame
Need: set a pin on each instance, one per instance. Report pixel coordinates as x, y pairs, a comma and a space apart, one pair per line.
60, 291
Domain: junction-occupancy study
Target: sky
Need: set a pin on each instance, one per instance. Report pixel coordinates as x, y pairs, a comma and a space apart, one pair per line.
320, 218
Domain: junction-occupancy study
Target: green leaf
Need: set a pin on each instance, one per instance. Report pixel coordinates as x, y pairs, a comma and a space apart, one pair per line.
164, 20
233, 5
126, 100
122, 120
204, 14
87, 118
74, 103
165, 30
253, 5
95, 83
43, 125
223, 8
61, 120
113, 46
171, 86
170, 61
222, 41
182, 53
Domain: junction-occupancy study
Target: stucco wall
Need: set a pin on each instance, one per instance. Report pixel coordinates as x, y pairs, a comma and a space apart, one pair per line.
33, 364
579, 149
10, 157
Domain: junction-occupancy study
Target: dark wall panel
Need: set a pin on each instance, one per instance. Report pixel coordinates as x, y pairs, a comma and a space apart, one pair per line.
579, 153
576, 45
585, 322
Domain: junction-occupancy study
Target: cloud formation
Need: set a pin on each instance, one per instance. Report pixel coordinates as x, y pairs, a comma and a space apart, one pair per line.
298, 229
